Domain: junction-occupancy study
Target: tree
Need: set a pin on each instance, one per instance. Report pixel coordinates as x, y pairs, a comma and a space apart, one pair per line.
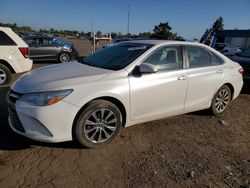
145, 35
218, 24
163, 31
98, 33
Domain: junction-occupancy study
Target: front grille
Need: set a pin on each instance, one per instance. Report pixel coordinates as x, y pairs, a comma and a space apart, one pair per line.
15, 121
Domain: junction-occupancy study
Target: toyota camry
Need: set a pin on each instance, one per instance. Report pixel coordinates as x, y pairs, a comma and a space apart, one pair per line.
123, 85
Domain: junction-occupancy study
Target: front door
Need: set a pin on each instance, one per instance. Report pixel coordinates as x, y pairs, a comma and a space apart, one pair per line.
163, 93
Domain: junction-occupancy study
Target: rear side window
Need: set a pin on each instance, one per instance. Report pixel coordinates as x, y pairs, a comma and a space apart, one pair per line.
215, 60
47, 41
5, 40
198, 57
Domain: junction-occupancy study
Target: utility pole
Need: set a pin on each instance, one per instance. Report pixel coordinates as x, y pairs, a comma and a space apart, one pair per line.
128, 19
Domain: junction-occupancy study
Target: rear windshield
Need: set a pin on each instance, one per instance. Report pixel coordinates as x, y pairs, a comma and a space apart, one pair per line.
5, 40
116, 57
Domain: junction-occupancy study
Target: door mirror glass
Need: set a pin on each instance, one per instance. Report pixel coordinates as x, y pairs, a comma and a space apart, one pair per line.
147, 68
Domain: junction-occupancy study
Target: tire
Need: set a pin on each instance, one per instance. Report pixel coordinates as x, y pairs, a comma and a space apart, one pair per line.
5, 75
64, 57
221, 101
98, 124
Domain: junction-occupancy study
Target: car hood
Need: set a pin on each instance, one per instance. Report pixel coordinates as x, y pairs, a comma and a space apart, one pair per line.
68, 44
57, 77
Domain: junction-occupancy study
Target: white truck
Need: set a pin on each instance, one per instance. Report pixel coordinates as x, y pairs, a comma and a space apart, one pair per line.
14, 55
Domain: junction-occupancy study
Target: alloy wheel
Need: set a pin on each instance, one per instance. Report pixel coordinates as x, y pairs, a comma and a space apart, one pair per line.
100, 125
222, 100
64, 57
3, 76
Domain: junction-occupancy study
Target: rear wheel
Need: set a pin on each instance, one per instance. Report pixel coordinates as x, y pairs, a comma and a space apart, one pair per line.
64, 57
98, 124
221, 100
5, 75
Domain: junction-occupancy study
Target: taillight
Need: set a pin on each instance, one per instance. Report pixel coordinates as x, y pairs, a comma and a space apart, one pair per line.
241, 71
25, 52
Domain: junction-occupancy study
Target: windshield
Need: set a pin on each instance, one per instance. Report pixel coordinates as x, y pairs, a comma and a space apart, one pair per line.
116, 57
245, 53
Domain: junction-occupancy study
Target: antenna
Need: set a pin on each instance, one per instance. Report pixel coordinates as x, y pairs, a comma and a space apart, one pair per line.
128, 18
92, 26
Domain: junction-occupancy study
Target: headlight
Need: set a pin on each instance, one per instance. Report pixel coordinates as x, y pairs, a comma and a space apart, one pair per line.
45, 98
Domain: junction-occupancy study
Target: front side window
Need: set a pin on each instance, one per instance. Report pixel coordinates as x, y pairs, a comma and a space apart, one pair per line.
198, 57
116, 57
5, 40
32, 41
166, 59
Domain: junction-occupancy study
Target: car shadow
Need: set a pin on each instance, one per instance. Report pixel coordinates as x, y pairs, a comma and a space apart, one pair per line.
10, 141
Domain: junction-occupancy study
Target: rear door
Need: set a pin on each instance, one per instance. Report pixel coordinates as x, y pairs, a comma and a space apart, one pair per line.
206, 74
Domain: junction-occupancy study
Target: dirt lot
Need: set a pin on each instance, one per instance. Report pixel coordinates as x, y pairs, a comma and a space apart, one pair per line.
193, 150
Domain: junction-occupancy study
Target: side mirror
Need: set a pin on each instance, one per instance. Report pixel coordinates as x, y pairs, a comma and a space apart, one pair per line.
147, 68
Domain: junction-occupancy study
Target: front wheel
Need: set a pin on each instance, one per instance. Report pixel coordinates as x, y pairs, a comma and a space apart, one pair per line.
98, 124
64, 57
221, 100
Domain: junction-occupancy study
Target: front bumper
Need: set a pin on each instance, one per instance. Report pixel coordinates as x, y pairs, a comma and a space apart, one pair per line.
48, 124
74, 55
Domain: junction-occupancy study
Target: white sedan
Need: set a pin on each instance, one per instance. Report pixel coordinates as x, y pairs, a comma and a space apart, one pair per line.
123, 85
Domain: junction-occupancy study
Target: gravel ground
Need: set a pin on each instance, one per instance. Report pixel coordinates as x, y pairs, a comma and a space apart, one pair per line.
192, 150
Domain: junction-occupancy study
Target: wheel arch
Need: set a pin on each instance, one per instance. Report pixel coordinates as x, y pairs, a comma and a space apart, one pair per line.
113, 100
231, 87
7, 65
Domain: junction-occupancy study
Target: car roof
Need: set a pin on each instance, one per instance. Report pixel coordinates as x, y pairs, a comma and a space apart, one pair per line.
162, 42
37, 36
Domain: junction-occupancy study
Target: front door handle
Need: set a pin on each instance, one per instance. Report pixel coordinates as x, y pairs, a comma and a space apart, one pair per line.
219, 71
182, 78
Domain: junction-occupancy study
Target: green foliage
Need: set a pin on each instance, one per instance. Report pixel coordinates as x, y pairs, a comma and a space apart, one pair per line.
98, 33
217, 25
14, 27
163, 31
145, 35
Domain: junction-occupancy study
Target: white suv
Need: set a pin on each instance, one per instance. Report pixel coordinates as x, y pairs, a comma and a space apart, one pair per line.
14, 55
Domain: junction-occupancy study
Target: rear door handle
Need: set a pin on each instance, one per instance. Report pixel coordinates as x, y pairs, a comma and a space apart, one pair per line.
182, 78
219, 71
